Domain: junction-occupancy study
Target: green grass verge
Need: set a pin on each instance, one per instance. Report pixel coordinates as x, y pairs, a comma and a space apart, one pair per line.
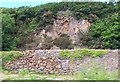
92, 74
8, 56
82, 53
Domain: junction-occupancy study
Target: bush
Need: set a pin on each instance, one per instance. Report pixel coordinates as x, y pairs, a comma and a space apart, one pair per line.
63, 42
48, 43
105, 33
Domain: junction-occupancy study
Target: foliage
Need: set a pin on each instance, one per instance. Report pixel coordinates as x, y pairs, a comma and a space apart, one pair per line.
18, 23
10, 56
63, 42
82, 53
9, 39
105, 33
48, 43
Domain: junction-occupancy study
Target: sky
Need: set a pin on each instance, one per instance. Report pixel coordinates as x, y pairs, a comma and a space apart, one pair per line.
19, 3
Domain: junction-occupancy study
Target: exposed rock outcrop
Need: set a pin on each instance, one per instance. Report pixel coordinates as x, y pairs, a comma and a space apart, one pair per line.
65, 23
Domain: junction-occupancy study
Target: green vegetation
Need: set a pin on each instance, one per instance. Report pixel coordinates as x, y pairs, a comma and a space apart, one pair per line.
63, 42
60, 81
19, 24
104, 33
48, 43
8, 56
9, 33
82, 53
95, 73
0, 61
88, 73
24, 72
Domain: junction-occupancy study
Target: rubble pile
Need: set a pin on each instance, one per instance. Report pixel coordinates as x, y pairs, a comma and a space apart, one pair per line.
44, 65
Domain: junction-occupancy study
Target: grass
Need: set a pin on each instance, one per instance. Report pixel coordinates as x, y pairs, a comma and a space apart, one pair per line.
88, 72
23, 72
61, 81
11, 55
82, 53
94, 73
8, 56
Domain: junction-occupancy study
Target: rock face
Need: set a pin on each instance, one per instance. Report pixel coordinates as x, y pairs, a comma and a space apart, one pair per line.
68, 25
64, 24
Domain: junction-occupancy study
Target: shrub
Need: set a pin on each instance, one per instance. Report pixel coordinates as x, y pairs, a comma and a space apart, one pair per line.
63, 42
105, 33
48, 43
10, 56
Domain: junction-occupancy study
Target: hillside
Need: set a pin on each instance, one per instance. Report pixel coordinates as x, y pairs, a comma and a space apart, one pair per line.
64, 25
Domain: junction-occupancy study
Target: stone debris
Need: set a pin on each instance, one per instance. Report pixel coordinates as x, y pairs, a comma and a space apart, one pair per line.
49, 62
38, 64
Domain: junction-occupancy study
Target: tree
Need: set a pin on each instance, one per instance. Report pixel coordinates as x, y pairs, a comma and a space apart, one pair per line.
105, 33
9, 39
